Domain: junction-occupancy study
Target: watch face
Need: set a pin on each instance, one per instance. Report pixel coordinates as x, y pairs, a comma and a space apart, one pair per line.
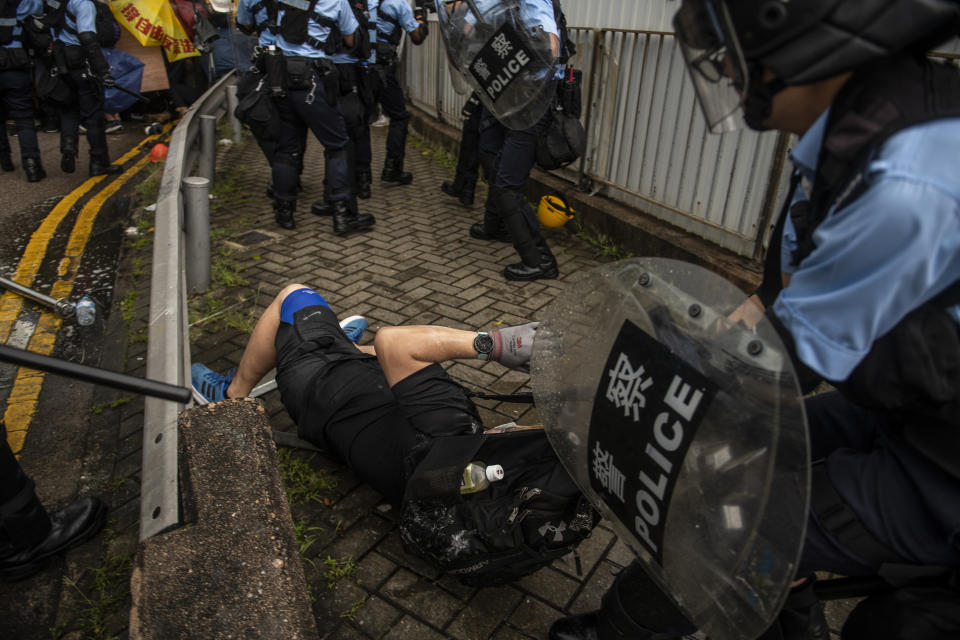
483, 343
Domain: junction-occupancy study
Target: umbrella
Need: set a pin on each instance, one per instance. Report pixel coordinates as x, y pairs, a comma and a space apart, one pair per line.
154, 24
127, 72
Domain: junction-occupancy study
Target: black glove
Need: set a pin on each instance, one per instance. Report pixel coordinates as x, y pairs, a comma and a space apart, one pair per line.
108, 80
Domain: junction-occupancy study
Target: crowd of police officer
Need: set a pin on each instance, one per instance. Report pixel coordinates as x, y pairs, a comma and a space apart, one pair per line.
50, 51
326, 65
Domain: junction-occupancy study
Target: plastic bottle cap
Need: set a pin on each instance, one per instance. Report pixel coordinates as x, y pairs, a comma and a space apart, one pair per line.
494, 473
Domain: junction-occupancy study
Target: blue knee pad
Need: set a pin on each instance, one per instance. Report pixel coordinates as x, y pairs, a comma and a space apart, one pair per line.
297, 300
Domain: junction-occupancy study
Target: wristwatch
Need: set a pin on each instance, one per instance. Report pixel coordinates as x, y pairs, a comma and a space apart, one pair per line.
483, 344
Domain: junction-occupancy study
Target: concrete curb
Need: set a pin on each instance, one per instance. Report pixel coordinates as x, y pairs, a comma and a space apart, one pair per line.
233, 571
633, 229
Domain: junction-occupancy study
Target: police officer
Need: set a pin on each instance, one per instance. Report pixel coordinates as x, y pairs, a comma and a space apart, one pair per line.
308, 37
86, 72
509, 156
16, 88
357, 91
464, 182
862, 282
393, 18
260, 17
29, 535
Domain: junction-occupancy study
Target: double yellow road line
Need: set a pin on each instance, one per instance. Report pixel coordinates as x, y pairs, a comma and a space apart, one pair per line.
22, 401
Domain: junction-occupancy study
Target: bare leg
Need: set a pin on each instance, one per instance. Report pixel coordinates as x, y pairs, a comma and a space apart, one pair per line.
259, 356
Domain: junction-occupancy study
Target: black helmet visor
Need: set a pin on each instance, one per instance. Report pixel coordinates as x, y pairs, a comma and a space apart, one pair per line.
715, 61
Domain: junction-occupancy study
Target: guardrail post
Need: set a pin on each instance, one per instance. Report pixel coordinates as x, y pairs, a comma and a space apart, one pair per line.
208, 147
196, 221
232, 102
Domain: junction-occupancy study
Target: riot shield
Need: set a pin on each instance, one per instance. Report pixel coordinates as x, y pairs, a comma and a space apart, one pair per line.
686, 431
500, 53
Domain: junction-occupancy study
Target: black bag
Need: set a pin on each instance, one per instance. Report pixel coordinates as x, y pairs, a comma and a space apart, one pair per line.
533, 516
255, 107
48, 83
561, 142
108, 31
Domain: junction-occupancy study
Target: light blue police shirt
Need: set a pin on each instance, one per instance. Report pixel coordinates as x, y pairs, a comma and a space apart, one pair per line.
533, 13
891, 250
337, 10
248, 18
86, 21
24, 9
346, 58
400, 11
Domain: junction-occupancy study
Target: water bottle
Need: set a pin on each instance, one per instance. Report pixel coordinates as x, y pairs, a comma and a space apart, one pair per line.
477, 476
85, 311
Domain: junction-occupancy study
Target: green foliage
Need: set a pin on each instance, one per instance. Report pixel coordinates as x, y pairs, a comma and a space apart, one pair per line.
603, 245
128, 304
338, 569
149, 188
301, 480
305, 535
101, 594
355, 607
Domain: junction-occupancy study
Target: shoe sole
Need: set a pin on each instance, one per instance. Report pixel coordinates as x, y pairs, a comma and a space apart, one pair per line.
550, 275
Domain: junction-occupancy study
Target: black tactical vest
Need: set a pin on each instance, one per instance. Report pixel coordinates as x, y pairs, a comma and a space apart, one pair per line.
8, 20
912, 372
270, 23
294, 25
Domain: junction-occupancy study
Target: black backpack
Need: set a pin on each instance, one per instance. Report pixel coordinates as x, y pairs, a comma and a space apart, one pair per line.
533, 516
108, 31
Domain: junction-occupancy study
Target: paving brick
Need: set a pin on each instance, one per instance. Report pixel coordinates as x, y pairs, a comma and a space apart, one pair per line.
430, 602
534, 617
411, 629
487, 609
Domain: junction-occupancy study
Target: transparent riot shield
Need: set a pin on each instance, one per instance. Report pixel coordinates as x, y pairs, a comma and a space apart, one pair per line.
686, 431
502, 52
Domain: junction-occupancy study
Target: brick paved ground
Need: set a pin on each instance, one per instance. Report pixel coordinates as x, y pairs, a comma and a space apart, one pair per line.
417, 266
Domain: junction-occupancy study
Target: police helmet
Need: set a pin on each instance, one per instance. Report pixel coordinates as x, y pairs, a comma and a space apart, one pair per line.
728, 43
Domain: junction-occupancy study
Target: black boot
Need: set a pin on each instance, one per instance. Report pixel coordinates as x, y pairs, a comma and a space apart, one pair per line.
322, 208
493, 226
70, 526
100, 166
539, 265
68, 154
582, 627
33, 169
6, 162
283, 213
346, 219
466, 194
362, 179
393, 172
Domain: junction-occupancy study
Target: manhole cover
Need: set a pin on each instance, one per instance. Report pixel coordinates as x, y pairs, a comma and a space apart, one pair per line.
252, 237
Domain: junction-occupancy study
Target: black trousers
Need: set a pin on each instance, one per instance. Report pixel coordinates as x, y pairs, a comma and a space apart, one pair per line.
301, 110
16, 93
468, 160
390, 97
508, 156
358, 86
23, 520
85, 107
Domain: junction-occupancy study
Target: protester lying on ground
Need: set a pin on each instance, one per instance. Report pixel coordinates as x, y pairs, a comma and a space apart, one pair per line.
386, 408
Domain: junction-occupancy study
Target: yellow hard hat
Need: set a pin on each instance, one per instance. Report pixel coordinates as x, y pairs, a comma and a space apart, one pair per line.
553, 212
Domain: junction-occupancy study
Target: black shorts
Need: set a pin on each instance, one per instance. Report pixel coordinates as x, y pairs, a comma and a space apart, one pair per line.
341, 402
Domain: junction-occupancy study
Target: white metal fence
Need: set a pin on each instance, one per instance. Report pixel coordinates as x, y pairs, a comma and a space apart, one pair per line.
647, 145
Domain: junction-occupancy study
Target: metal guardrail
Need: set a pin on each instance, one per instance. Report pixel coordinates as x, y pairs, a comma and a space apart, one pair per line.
168, 347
